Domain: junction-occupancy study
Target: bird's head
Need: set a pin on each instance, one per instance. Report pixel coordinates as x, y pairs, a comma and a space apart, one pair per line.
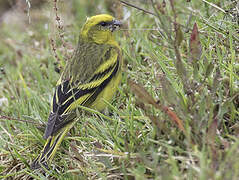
100, 28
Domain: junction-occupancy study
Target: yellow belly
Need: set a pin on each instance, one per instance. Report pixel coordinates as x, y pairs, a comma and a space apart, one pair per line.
107, 94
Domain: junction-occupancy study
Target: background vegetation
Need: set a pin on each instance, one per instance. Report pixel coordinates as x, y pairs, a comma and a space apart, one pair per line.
176, 115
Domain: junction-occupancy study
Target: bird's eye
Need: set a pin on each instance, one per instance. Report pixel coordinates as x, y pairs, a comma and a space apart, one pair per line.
103, 23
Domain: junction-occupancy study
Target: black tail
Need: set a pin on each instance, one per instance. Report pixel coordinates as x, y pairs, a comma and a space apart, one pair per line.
47, 153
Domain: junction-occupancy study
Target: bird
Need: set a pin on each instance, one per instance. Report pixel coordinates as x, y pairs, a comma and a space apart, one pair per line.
88, 79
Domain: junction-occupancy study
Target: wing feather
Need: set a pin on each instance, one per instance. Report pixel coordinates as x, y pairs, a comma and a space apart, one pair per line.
69, 94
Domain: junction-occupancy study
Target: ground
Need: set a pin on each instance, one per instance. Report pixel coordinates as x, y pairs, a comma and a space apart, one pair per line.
175, 115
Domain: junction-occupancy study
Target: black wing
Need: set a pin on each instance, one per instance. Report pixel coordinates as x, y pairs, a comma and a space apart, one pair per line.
65, 95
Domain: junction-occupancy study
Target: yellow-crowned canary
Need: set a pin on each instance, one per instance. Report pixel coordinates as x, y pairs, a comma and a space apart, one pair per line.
93, 74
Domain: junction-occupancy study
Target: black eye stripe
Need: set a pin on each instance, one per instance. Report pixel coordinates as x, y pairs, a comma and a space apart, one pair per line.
105, 23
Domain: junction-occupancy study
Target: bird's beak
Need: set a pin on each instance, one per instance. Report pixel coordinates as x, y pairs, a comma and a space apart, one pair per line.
115, 25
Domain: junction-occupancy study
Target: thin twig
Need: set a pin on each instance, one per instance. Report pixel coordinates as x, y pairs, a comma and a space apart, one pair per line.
61, 31
28, 10
20, 120
131, 5
53, 46
214, 5
144, 29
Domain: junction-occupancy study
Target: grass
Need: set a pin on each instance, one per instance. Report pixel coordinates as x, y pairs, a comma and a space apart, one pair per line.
180, 73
